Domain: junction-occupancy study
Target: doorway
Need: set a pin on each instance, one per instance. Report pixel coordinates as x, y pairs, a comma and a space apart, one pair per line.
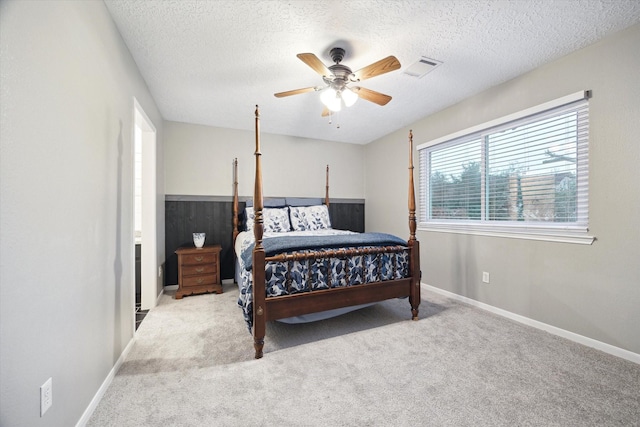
145, 228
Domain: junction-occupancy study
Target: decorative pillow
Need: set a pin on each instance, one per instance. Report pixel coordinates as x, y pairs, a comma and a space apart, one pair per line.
310, 217
274, 219
270, 202
303, 201
249, 216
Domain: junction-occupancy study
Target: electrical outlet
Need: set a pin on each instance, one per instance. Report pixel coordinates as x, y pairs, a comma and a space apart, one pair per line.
160, 271
46, 396
485, 277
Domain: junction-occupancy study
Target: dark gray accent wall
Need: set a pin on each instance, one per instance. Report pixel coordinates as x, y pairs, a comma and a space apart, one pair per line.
182, 218
347, 216
185, 215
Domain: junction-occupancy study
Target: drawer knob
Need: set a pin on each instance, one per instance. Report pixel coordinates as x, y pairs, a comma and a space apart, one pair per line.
199, 258
199, 270
200, 280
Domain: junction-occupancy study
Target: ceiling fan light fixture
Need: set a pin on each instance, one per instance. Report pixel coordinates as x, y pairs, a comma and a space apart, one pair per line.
349, 97
331, 99
335, 105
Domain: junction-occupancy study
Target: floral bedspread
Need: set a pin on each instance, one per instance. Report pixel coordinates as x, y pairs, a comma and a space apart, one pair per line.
306, 276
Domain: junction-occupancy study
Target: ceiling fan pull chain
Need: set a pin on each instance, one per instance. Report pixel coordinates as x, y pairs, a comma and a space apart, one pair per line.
331, 113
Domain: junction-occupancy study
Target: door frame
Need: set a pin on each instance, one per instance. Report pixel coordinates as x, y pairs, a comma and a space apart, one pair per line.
149, 249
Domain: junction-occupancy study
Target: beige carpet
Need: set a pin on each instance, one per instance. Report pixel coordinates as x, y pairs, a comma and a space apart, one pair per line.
192, 365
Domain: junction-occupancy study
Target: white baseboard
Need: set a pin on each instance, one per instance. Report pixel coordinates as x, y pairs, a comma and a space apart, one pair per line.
105, 385
580, 339
107, 381
228, 281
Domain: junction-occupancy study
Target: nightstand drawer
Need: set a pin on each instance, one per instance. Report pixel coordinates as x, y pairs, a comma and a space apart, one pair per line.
194, 270
202, 280
203, 258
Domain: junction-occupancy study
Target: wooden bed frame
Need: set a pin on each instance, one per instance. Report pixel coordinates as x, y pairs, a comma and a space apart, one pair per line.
273, 308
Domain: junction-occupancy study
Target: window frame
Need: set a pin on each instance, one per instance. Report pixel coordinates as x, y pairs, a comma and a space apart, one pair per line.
567, 232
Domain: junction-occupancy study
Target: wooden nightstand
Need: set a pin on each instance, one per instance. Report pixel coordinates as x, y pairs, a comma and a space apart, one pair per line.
198, 270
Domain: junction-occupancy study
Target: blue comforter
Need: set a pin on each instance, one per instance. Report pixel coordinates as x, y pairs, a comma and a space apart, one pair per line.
275, 245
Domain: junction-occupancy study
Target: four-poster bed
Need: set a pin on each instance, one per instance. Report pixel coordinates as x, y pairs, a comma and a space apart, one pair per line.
292, 263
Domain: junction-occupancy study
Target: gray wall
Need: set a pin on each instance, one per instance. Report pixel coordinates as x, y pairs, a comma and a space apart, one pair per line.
66, 211
199, 161
593, 291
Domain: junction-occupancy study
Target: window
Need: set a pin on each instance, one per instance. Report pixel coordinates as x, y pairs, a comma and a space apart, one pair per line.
524, 175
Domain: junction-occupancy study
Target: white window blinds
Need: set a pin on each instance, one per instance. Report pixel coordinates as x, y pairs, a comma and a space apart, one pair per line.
526, 172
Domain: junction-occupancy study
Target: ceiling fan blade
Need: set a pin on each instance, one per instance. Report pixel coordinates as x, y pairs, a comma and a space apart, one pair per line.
325, 112
312, 61
294, 92
372, 95
390, 63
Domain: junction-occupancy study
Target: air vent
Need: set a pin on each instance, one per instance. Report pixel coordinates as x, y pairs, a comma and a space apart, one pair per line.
422, 67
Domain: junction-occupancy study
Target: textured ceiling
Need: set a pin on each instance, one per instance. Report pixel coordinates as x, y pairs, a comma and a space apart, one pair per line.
211, 62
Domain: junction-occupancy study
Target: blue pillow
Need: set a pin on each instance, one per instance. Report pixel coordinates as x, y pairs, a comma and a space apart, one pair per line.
304, 201
269, 203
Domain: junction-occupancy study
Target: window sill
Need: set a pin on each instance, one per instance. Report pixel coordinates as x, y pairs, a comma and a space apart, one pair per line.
574, 235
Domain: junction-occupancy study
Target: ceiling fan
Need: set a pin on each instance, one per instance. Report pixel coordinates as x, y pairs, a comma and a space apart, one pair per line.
338, 77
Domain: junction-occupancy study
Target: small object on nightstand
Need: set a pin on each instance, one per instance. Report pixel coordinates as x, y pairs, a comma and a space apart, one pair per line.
198, 239
198, 270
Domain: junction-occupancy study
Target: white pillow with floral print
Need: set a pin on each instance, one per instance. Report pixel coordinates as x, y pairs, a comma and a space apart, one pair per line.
274, 219
249, 217
305, 218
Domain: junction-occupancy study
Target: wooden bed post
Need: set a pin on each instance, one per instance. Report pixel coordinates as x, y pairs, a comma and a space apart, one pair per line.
326, 194
414, 244
259, 290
